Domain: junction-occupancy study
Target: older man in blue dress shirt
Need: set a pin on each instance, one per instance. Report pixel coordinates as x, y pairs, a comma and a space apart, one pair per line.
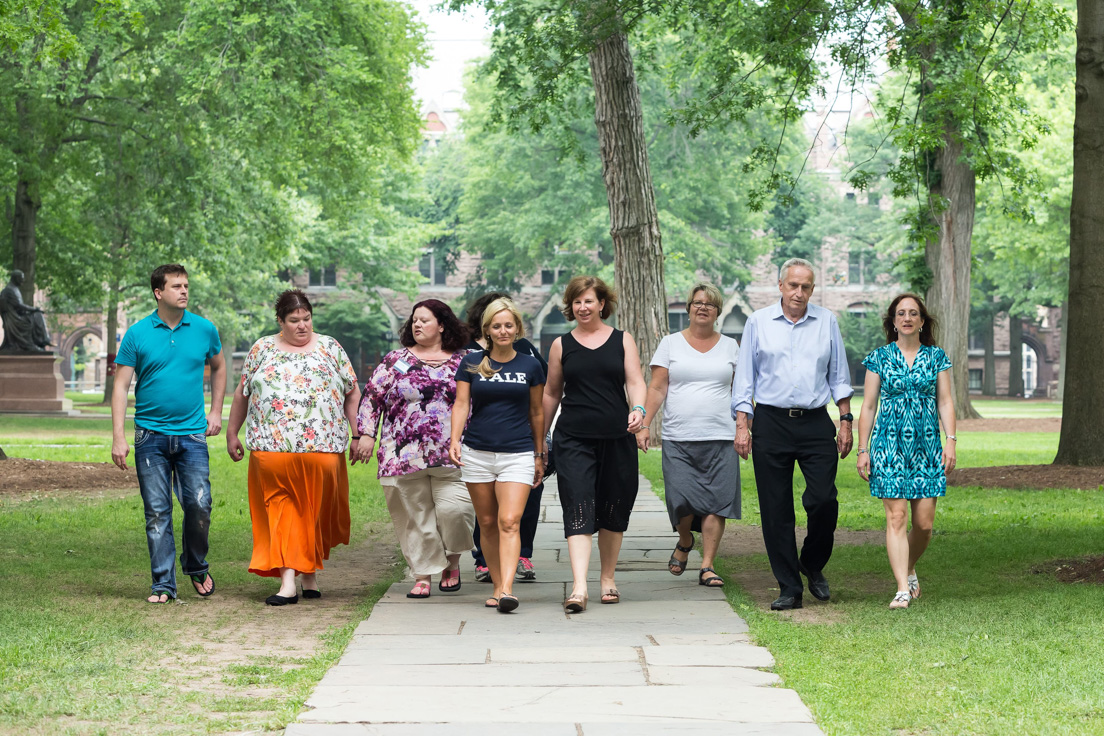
792, 363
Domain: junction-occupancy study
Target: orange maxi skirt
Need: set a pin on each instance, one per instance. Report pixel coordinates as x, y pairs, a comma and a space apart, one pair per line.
299, 503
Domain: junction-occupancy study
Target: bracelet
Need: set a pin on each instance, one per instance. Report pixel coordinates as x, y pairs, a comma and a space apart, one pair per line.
860, 451
355, 437
952, 438
643, 411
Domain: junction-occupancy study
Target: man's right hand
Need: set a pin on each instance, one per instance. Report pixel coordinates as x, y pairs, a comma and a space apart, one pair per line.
743, 442
119, 451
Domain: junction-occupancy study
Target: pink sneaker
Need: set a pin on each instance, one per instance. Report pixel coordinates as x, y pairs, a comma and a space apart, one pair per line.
525, 569
482, 574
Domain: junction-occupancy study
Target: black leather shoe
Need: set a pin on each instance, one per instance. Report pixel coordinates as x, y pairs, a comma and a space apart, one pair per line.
786, 603
818, 586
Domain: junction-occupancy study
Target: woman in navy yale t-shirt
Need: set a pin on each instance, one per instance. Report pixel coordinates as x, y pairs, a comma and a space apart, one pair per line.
502, 440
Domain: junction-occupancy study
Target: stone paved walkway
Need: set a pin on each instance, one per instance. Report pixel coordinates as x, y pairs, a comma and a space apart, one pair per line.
672, 657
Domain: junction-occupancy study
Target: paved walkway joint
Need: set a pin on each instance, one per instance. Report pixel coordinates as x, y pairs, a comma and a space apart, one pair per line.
671, 657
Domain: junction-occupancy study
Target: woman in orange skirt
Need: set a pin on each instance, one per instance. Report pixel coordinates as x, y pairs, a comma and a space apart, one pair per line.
298, 396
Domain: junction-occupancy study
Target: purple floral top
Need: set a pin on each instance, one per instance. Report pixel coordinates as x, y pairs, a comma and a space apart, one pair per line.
415, 402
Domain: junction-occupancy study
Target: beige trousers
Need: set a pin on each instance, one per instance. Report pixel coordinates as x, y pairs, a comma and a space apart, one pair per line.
433, 517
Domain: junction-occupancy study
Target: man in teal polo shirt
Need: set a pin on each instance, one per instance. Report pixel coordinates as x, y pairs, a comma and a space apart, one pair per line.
167, 352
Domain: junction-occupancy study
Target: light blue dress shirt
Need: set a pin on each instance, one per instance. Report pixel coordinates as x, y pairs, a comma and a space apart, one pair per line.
788, 365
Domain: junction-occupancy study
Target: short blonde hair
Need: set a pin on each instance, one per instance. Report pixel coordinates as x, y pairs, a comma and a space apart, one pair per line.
578, 285
502, 304
712, 295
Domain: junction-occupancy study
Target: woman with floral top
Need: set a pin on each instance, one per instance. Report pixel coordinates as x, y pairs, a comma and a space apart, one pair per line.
412, 392
298, 397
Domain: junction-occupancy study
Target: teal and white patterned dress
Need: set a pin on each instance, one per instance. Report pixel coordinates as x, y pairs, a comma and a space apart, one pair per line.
906, 457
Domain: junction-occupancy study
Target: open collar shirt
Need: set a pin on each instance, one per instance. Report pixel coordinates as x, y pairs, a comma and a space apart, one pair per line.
791, 365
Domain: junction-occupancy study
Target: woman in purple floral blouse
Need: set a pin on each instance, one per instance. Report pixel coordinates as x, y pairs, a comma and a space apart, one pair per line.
412, 391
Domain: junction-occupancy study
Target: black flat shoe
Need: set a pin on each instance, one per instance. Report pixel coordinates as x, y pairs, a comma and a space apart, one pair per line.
818, 586
312, 593
786, 603
279, 600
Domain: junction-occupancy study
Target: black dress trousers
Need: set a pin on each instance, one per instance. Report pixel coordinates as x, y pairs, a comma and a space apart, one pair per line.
779, 441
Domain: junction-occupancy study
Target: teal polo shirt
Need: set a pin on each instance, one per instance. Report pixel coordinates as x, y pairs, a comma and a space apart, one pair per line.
168, 364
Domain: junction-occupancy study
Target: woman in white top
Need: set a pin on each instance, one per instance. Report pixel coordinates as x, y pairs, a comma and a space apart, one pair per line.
692, 373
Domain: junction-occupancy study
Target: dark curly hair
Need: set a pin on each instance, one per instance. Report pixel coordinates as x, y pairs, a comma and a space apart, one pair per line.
927, 332
453, 338
474, 312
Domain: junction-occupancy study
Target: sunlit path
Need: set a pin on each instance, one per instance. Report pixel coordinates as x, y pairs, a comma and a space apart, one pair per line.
671, 655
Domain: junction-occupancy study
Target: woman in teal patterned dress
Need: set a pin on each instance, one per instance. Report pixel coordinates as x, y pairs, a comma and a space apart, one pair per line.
904, 462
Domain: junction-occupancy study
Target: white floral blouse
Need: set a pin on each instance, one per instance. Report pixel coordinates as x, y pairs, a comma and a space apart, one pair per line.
296, 399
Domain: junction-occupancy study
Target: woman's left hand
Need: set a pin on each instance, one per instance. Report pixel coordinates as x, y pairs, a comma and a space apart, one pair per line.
949, 457
636, 420
643, 437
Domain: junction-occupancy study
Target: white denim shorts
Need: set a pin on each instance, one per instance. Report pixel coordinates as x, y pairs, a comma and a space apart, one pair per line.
481, 466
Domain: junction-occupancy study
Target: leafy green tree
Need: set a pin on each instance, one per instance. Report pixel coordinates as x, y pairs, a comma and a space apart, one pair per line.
312, 97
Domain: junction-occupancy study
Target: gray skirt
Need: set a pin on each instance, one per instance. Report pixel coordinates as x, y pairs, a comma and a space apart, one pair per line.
701, 478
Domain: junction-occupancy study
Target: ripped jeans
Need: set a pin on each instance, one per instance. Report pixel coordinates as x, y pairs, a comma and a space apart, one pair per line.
168, 464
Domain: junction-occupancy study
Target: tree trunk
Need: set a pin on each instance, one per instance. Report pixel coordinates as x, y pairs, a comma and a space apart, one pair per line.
952, 188
1062, 344
1015, 357
24, 222
989, 373
112, 345
634, 222
1082, 438
2, 455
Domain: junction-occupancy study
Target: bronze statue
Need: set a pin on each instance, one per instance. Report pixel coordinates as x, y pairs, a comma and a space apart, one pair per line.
24, 326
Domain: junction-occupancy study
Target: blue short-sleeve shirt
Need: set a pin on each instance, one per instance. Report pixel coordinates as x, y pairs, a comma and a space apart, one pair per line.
500, 404
168, 364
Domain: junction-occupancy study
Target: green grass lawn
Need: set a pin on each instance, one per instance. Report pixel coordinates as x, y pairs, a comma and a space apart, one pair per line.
93, 403
79, 648
991, 648
989, 408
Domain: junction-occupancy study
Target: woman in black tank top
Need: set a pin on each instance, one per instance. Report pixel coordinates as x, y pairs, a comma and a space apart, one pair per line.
590, 370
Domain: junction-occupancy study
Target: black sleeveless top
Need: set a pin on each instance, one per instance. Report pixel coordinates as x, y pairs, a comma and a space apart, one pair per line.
594, 403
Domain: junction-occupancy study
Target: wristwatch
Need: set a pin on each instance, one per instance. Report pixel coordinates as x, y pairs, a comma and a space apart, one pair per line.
848, 417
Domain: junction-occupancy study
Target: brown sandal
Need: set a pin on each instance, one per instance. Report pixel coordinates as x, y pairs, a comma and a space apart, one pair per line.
575, 604
611, 593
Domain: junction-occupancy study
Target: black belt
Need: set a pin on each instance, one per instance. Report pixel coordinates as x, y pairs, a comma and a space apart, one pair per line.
792, 413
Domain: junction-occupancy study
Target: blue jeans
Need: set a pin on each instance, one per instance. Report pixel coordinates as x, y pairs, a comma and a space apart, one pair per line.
168, 464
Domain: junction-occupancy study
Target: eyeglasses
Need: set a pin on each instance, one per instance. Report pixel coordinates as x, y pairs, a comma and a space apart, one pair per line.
702, 305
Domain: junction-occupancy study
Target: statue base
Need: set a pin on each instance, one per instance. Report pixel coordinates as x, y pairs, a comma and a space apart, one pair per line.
31, 383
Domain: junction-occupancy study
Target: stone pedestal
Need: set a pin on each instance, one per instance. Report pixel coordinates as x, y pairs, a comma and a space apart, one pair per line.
32, 384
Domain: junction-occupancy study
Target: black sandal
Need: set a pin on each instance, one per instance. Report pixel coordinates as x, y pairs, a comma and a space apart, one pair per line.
714, 582
680, 564
198, 580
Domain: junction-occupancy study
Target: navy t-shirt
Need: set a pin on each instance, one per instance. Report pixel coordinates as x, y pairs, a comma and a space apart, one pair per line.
499, 420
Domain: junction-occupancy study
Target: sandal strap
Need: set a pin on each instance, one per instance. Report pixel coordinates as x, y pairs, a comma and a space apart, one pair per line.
680, 548
902, 595
704, 570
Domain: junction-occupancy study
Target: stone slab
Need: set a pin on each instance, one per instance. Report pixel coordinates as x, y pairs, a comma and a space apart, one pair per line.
711, 676
425, 729
491, 674
734, 655
673, 705
712, 640
714, 728
565, 654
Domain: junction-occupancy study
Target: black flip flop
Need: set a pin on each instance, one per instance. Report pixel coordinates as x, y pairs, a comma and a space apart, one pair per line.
198, 580
507, 603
